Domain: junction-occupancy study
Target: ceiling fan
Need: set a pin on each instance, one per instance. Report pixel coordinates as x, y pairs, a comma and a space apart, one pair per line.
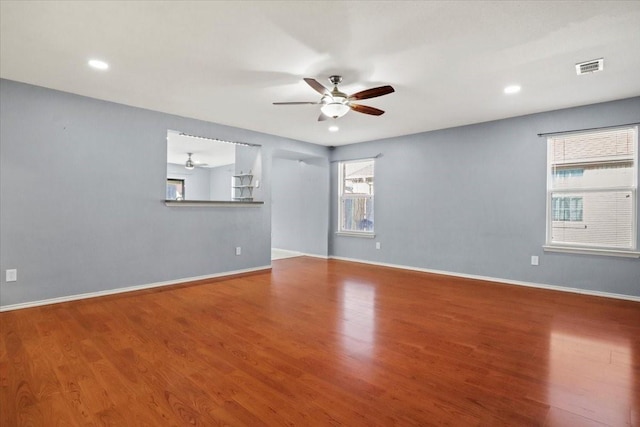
190, 164
336, 104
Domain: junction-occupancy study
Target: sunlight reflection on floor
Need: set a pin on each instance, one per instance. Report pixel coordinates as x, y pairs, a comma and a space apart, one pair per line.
358, 318
591, 377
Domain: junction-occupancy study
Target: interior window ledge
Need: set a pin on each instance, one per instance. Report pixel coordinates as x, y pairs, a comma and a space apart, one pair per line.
355, 234
591, 251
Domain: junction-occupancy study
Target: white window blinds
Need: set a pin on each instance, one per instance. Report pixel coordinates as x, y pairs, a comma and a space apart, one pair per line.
592, 185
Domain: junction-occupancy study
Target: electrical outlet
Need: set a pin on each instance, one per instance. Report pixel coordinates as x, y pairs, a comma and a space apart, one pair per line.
12, 275
534, 260
238, 250
377, 245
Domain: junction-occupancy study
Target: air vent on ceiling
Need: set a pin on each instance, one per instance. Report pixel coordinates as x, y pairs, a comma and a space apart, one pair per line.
590, 66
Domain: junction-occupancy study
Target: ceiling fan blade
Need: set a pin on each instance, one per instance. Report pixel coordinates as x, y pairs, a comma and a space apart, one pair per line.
296, 103
366, 109
317, 86
372, 93
322, 117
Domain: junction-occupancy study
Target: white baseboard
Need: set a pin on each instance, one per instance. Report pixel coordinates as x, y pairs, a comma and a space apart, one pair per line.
127, 289
267, 267
316, 256
497, 280
284, 253
291, 254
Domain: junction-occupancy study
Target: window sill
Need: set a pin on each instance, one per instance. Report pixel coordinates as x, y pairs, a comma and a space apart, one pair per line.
590, 251
366, 235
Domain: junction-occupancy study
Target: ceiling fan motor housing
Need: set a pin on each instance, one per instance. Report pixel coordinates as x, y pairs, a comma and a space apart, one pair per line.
335, 80
336, 104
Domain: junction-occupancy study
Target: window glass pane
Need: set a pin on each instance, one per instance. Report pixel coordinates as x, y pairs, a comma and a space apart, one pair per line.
175, 189
596, 218
357, 214
567, 208
358, 177
356, 198
604, 146
575, 209
602, 175
597, 160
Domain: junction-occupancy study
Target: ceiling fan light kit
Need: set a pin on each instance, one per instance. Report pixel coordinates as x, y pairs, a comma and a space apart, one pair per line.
335, 109
335, 104
189, 164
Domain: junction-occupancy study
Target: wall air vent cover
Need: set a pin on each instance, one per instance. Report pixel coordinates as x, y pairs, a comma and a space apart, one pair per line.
590, 66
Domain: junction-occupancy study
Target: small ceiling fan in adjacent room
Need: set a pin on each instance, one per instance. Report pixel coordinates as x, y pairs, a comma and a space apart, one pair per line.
335, 104
190, 164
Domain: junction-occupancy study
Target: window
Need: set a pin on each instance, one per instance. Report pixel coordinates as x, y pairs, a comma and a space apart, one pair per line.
567, 173
175, 189
592, 190
567, 208
356, 197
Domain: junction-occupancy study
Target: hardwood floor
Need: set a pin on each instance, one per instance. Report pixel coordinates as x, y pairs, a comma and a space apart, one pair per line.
320, 343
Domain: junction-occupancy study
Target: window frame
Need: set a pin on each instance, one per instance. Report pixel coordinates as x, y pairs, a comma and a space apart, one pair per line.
595, 249
341, 197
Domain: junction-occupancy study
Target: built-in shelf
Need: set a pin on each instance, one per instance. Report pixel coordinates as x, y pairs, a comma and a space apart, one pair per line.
243, 187
236, 203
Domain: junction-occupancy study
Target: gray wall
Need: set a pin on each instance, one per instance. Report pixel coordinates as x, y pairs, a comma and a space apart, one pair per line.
472, 200
464, 200
220, 182
81, 187
300, 217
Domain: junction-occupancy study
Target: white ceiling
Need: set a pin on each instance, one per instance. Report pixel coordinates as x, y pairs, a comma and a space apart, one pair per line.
204, 152
226, 62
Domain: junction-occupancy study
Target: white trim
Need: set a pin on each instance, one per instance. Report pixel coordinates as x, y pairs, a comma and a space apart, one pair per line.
284, 254
128, 289
590, 251
316, 256
268, 267
292, 254
366, 235
497, 280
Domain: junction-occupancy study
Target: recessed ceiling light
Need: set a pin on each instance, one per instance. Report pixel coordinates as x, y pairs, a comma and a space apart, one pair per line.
512, 89
333, 128
98, 65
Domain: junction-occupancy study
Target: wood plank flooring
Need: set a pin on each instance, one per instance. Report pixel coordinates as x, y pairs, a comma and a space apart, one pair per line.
324, 343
